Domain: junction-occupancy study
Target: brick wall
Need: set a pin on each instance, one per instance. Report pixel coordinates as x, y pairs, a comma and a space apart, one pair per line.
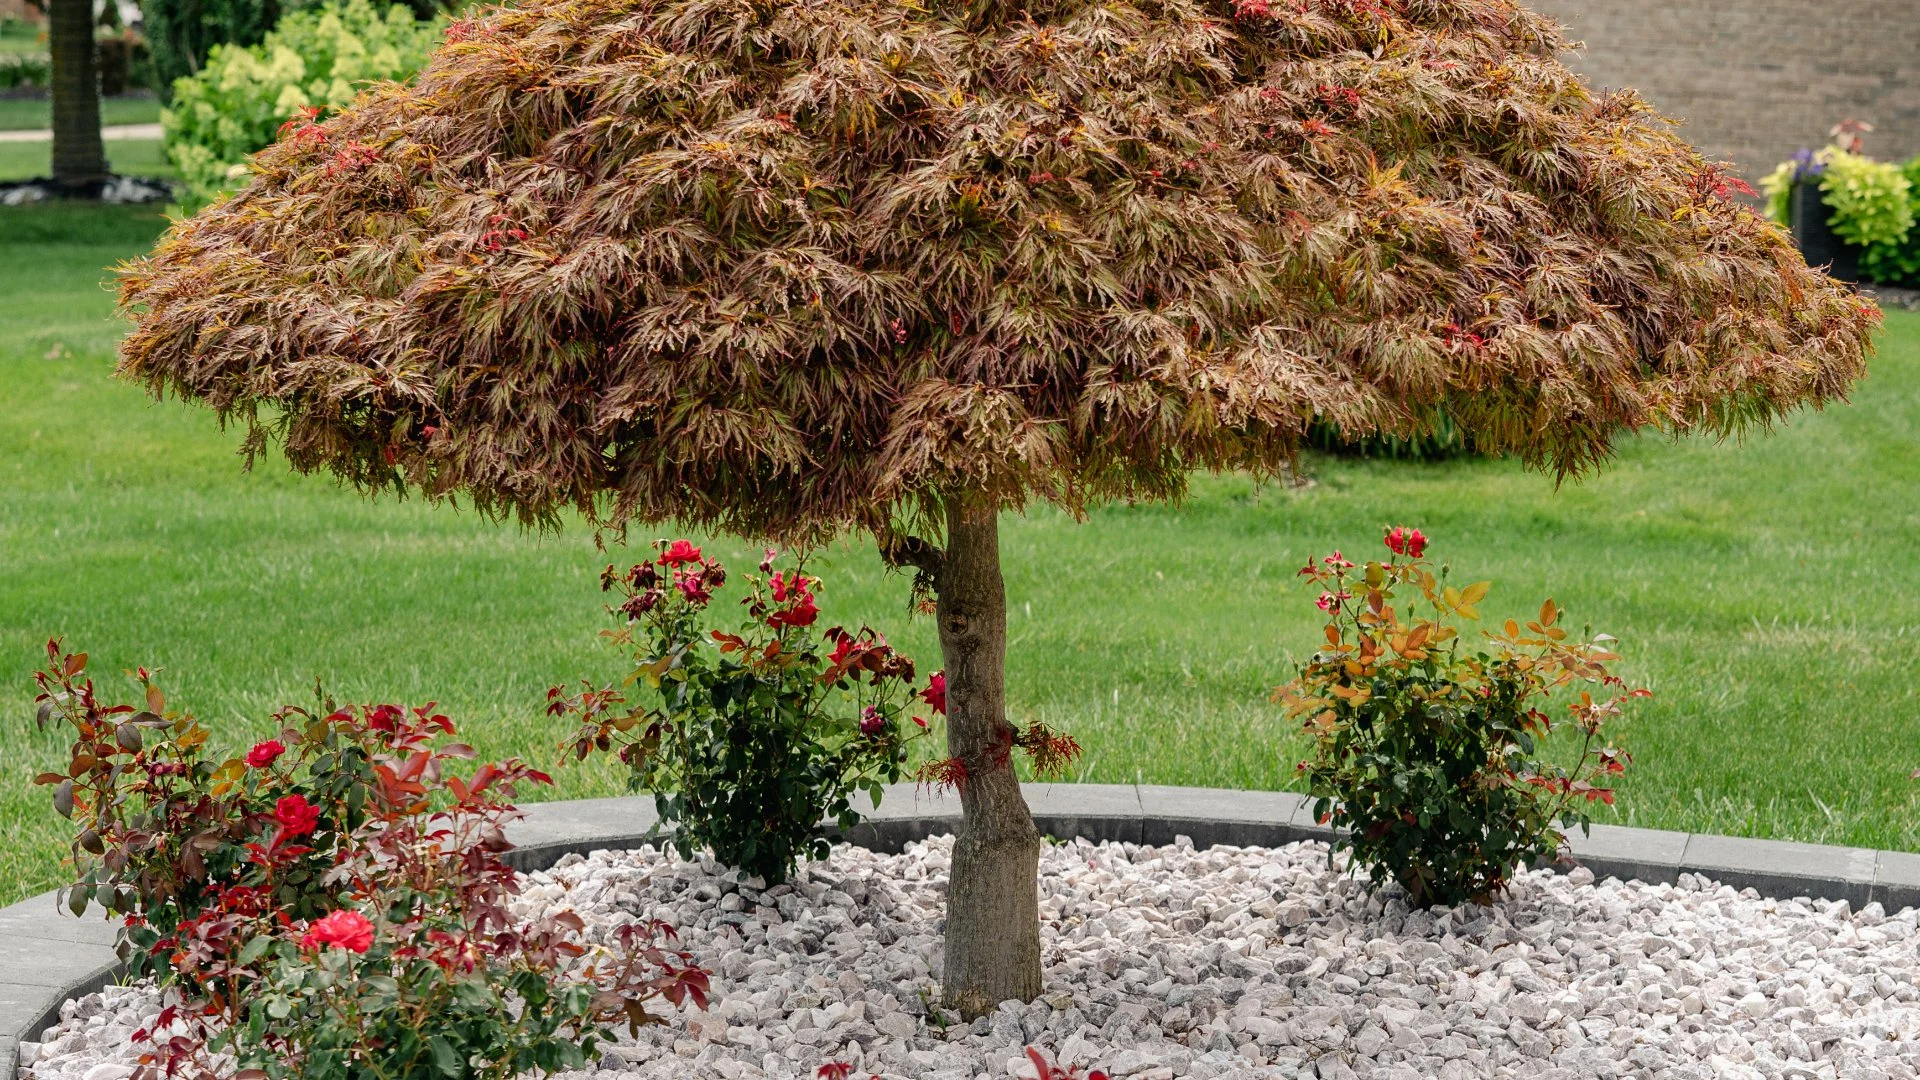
1756, 80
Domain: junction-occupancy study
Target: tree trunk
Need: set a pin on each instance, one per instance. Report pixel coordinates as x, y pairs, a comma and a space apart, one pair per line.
993, 908
79, 157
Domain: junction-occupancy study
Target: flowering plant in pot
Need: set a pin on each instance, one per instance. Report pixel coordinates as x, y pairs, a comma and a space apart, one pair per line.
1429, 756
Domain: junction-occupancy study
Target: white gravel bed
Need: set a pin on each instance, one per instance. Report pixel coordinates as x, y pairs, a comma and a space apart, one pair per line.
1226, 963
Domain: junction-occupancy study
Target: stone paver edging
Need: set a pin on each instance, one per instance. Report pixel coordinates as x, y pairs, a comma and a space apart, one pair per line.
47, 956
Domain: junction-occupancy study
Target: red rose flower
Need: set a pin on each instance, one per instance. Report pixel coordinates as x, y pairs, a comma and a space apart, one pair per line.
347, 930
680, 551
263, 754
1404, 541
297, 816
871, 722
794, 592
845, 647
693, 586
804, 613
935, 695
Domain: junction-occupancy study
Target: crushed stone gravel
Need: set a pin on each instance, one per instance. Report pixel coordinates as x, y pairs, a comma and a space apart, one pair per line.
1165, 962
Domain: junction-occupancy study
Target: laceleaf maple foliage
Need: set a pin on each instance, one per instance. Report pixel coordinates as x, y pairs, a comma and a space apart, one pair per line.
787, 267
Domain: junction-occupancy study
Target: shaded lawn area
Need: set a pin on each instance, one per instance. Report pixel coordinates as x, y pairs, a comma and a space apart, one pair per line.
1766, 592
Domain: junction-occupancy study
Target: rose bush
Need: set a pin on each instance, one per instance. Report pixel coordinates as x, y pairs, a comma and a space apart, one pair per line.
426, 974
335, 902
750, 738
1429, 755
164, 826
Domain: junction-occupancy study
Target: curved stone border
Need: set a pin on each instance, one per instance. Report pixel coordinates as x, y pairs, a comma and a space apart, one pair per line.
47, 957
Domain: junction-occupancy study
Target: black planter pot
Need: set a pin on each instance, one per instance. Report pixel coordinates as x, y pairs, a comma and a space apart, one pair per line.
1807, 216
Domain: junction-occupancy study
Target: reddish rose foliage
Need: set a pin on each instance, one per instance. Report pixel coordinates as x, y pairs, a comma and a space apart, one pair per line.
402, 876
1045, 1069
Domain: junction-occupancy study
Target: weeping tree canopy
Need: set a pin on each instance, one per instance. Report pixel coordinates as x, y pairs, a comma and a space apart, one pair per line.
789, 267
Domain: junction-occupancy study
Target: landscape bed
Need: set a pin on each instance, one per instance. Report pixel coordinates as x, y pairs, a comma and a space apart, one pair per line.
1189, 960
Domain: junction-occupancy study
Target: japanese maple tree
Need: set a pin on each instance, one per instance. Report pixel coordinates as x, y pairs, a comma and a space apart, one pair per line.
798, 268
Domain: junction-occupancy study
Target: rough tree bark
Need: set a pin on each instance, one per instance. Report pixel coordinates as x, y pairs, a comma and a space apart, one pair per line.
993, 909
79, 156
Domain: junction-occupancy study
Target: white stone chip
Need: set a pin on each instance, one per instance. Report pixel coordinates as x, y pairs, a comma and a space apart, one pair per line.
1228, 963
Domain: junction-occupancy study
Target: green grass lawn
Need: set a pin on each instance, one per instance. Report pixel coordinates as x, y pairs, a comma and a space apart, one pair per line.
18, 36
1767, 591
129, 157
24, 114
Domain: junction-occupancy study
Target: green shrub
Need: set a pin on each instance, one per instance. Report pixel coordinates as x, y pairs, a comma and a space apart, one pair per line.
21, 70
1777, 187
1444, 441
1871, 200
314, 59
1427, 755
182, 34
1896, 262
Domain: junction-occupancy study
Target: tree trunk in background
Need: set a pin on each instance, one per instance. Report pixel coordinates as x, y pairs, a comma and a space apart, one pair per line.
993, 909
79, 157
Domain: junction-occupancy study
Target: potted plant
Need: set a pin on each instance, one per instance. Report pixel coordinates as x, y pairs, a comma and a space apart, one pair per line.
1848, 212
